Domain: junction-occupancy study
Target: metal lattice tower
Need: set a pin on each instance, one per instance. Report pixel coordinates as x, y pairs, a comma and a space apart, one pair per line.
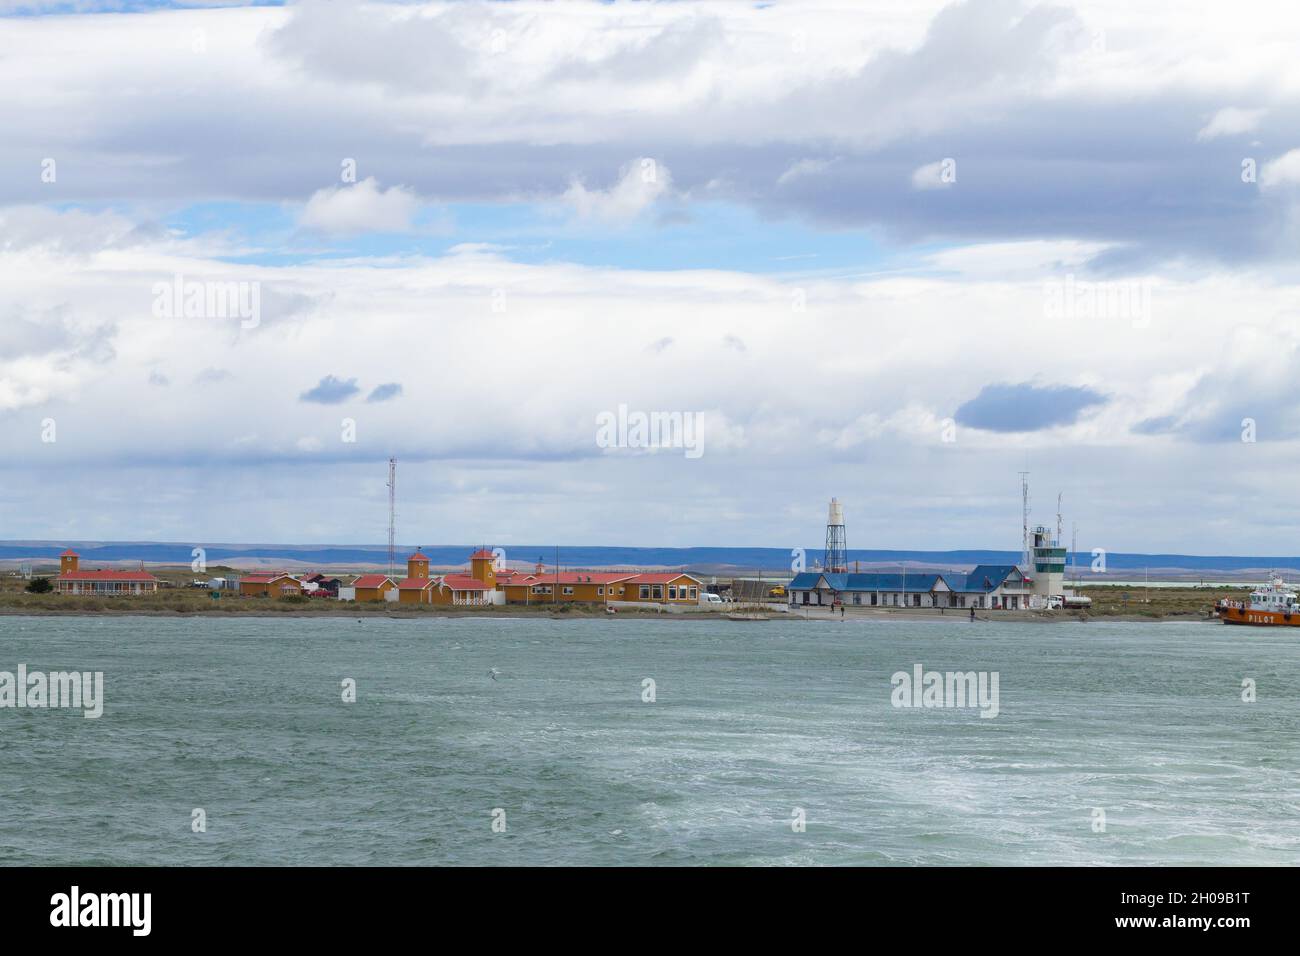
836, 558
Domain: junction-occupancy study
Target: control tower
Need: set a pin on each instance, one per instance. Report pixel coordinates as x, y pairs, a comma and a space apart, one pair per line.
1049, 562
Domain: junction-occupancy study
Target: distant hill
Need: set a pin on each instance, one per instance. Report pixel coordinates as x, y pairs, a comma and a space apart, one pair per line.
775, 561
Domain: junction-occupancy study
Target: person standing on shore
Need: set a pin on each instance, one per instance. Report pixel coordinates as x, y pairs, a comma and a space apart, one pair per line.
972, 614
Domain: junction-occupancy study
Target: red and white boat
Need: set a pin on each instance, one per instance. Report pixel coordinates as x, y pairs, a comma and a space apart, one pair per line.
1273, 605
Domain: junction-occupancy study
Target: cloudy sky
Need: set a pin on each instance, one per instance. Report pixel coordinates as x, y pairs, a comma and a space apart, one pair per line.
894, 251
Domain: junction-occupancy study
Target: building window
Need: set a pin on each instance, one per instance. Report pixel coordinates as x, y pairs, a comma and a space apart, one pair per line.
600, 592
645, 592
672, 592
658, 592
567, 591
695, 594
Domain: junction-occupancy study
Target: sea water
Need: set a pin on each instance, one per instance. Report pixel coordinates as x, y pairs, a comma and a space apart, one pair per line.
626, 741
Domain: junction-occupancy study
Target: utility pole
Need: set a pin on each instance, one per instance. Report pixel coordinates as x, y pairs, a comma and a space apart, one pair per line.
392, 515
1074, 547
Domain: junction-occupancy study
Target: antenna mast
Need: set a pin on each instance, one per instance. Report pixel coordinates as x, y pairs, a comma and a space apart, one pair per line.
1074, 547
392, 515
1024, 519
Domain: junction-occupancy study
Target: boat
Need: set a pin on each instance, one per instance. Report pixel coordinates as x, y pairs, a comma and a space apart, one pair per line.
1274, 605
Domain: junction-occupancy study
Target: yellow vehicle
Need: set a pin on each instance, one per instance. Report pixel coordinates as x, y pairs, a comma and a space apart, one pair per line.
776, 592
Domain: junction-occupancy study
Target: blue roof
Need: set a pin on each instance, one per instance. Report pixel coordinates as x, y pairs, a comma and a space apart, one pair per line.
984, 577
805, 580
874, 581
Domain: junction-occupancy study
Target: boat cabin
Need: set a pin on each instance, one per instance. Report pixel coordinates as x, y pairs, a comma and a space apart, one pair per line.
1275, 597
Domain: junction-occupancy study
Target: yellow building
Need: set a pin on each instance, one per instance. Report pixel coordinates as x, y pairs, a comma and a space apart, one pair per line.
72, 580
470, 590
485, 584
270, 584
542, 587
669, 587
372, 587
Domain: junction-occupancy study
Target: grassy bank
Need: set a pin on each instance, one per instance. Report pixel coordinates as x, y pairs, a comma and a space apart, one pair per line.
1108, 601
200, 603
1112, 601
183, 600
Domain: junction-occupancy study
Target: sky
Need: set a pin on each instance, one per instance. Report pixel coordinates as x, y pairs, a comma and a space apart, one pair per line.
894, 252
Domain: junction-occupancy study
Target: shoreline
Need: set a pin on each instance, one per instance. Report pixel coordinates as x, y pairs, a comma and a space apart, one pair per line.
824, 617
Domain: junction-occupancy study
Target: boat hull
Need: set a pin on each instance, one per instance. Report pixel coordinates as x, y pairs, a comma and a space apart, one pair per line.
1254, 618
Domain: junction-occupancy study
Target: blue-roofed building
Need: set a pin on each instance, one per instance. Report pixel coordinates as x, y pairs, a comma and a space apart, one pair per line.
995, 586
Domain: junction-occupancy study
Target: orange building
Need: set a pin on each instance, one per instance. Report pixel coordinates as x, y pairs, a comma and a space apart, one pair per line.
550, 587
72, 580
482, 567
669, 587
542, 587
485, 584
475, 589
269, 584
372, 587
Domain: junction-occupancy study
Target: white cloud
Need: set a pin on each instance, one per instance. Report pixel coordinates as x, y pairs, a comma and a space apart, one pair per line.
1231, 121
1285, 170
937, 175
521, 103
899, 353
639, 184
494, 102
361, 207
804, 167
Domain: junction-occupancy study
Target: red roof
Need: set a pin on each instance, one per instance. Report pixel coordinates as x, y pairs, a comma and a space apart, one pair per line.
370, 581
418, 557
483, 553
663, 577
107, 576
465, 582
69, 554
457, 582
268, 577
577, 577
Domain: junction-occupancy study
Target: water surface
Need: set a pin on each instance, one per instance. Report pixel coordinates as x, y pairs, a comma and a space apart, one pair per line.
244, 718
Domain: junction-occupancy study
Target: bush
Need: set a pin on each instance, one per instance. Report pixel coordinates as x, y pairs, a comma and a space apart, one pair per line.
39, 586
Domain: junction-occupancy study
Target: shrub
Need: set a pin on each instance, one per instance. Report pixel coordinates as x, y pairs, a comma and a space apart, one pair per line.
39, 586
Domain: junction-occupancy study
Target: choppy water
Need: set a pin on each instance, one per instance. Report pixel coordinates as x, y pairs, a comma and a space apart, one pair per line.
244, 718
